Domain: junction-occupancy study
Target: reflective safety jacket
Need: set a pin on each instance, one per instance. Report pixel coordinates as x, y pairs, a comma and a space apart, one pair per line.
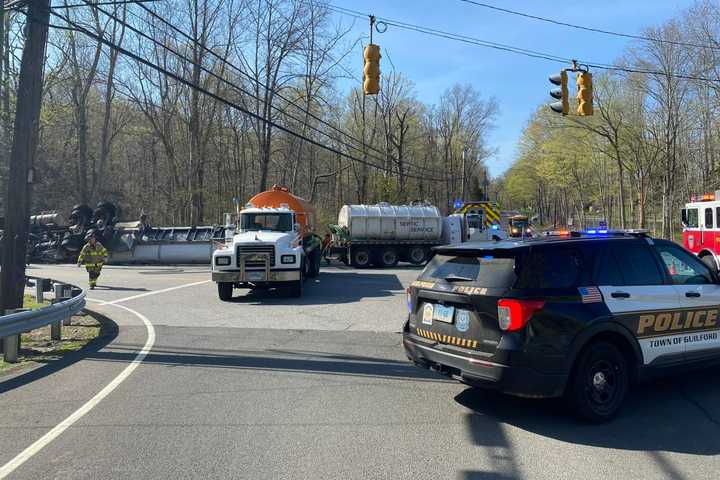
93, 257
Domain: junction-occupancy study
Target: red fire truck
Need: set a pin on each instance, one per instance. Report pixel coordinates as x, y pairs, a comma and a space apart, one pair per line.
701, 227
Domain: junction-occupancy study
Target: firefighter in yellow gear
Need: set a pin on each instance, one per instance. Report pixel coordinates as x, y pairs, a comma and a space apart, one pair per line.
93, 256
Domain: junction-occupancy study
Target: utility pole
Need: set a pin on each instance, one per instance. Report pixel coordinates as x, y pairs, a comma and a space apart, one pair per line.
21, 174
462, 184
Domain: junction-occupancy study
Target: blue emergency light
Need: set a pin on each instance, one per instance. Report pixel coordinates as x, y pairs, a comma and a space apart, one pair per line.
495, 226
458, 204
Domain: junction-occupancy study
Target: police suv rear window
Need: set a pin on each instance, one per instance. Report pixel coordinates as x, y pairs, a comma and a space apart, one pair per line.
554, 266
480, 270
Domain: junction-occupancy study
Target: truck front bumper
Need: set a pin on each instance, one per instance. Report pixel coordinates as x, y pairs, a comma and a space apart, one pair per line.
251, 276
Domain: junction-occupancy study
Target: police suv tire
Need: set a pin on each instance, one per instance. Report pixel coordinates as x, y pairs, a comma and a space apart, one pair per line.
360, 257
417, 255
225, 291
599, 382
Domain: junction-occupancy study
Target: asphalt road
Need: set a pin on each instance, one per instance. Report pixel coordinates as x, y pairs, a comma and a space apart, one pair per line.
316, 388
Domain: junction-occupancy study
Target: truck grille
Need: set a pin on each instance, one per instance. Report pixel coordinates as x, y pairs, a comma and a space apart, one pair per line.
263, 249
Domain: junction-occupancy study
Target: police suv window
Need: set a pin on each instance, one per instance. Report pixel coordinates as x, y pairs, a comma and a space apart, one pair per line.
554, 266
708, 218
484, 270
637, 264
607, 271
683, 268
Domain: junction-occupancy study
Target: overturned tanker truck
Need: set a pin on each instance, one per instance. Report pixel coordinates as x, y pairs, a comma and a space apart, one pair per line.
55, 238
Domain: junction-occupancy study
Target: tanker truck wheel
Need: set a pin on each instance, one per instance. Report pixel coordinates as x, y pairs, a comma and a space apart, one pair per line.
389, 257
417, 255
360, 257
225, 290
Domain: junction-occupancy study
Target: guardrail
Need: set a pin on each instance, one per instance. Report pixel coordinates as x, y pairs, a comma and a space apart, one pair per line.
69, 300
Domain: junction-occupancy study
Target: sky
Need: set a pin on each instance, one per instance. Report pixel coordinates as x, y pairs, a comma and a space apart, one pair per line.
518, 83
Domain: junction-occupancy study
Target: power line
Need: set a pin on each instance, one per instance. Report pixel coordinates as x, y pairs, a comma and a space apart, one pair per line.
589, 29
261, 85
94, 4
520, 51
450, 35
233, 85
215, 96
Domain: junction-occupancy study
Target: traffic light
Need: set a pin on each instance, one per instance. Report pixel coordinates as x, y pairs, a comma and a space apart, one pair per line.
584, 94
563, 106
371, 71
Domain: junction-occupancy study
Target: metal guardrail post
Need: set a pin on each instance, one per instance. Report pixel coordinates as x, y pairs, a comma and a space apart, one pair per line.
39, 290
11, 344
56, 327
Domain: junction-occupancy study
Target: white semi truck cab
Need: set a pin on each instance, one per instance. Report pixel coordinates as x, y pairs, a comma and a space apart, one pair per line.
271, 247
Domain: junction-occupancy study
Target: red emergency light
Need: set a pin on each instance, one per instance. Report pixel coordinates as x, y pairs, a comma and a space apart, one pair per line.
708, 197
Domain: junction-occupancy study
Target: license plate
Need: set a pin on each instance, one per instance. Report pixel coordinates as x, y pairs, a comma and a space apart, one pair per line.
442, 313
256, 276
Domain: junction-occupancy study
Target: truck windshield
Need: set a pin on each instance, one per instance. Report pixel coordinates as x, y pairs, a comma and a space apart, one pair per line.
480, 270
274, 222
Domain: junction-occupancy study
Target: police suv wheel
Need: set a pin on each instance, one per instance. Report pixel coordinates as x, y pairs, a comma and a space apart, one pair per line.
225, 290
599, 382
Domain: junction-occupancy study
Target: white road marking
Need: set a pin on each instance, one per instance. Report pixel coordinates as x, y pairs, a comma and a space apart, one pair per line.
154, 292
43, 441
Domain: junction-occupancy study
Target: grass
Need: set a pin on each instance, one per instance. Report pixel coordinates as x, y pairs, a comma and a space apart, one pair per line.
37, 347
31, 303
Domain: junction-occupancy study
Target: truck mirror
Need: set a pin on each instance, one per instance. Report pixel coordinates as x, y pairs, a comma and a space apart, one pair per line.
296, 227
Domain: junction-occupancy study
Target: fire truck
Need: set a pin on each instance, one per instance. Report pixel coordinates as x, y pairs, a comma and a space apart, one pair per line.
701, 227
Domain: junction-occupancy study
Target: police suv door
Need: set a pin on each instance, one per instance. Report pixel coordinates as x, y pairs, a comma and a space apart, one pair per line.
636, 292
699, 295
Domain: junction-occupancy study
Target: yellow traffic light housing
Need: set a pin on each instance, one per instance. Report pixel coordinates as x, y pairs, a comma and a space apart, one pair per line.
371, 70
563, 106
584, 94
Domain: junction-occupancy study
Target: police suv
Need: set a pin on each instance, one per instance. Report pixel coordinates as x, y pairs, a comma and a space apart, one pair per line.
576, 314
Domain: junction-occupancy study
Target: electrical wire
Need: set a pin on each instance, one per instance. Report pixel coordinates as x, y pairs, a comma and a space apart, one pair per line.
235, 86
589, 29
110, 2
101, 39
521, 51
303, 109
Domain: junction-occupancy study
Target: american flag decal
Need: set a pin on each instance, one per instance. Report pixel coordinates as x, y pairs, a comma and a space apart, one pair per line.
590, 295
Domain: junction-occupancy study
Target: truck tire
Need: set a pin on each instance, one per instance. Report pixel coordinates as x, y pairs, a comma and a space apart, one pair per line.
296, 289
313, 269
225, 291
360, 257
389, 257
599, 382
417, 255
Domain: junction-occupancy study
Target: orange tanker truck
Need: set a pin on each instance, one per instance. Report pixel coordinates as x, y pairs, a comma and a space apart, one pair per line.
274, 246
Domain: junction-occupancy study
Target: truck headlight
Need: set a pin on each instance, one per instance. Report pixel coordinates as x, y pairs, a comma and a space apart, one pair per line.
287, 259
222, 261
